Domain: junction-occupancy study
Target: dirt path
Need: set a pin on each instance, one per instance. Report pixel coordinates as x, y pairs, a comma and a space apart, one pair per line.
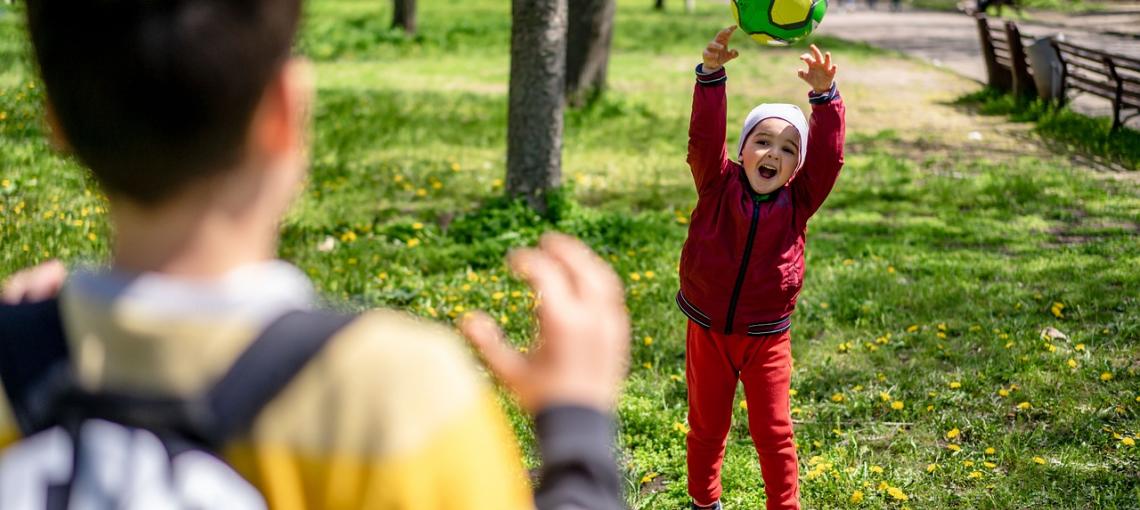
950, 40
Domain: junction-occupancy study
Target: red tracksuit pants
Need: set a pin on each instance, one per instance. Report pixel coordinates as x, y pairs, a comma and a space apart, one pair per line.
714, 363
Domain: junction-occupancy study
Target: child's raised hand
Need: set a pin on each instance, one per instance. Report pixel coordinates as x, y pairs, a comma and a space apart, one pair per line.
717, 53
820, 73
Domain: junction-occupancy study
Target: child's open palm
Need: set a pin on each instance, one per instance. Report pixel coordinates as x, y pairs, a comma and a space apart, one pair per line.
820, 72
717, 53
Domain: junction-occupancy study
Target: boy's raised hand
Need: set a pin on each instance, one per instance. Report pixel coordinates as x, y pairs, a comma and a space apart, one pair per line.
820, 73
717, 53
582, 351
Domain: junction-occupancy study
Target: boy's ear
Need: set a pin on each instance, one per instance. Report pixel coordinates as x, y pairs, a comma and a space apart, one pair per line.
56, 135
280, 123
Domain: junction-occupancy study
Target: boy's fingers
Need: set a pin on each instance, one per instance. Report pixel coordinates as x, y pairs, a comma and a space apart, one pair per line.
803, 74
715, 46
815, 52
733, 54
724, 35
827, 60
14, 290
504, 361
806, 58
834, 69
592, 278
545, 275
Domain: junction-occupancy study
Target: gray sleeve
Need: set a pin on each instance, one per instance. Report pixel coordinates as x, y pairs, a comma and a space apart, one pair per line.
579, 471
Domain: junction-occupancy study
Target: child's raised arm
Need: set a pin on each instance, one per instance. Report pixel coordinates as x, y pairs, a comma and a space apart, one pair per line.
826, 135
707, 155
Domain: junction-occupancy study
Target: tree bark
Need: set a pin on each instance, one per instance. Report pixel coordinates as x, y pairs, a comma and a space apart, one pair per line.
404, 15
588, 48
538, 67
659, 5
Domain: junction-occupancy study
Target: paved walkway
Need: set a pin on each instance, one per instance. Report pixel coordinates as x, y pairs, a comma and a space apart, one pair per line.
950, 40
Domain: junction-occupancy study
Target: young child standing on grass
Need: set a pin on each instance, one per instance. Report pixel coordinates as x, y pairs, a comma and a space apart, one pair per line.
742, 266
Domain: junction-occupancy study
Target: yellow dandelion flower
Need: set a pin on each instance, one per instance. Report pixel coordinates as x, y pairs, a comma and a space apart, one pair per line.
524, 349
989, 464
1003, 392
1024, 405
1039, 460
1128, 441
90, 237
1009, 345
857, 388
876, 469
504, 320
891, 269
931, 467
676, 378
824, 306
650, 274
968, 463
953, 433
413, 242
941, 326
883, 486
856, 497
838, 397
648, 478
647, 365
498, 296
897, 405
897, 493
681, 427
635, 276
990, 451
953, 447
4, 183
793, 392
912, 328
437, 185
348, 237
1072, 363
884, 396
941, 335
455, 168
975, 474
648, 340
929, 408
848, 262
955, 385
420, 192
744, 405
1106, 376
417, 226
1079, 347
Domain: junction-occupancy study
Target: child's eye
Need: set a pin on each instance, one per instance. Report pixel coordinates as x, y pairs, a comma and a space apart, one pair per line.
790, 151
762, 143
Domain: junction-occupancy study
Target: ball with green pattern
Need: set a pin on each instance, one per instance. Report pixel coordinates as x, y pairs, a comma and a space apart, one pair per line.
778, 22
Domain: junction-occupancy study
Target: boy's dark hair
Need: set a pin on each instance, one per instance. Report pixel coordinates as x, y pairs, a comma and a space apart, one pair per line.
151, 94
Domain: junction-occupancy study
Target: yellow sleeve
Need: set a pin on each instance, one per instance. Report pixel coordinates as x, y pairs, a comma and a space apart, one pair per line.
394, 415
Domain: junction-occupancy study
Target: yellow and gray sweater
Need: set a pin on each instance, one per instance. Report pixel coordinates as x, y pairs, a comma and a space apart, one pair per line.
391, 414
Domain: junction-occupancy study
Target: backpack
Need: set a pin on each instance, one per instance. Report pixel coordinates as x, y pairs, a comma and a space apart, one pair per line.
105, 450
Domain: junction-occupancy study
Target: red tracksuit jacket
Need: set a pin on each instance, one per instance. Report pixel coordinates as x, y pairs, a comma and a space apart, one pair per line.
742, 265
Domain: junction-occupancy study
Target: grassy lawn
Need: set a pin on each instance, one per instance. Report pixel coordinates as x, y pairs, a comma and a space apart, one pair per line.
922, 376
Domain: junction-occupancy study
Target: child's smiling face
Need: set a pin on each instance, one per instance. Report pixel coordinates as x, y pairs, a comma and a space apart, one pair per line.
771, 154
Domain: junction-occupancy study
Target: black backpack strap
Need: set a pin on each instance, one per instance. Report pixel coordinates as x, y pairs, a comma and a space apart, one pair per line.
31, 344
267, 366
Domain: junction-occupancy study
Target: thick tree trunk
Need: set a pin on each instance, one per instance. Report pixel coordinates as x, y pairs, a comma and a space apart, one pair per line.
588, 48
538, 67
659, 5
404, 15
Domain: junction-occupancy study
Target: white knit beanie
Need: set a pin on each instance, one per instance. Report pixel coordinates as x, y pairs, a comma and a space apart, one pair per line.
788, 112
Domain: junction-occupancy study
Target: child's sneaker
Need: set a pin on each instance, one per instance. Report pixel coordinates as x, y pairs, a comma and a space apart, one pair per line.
715, 506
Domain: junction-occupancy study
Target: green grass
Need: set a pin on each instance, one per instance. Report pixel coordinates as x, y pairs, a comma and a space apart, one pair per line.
922, 271
1078, 133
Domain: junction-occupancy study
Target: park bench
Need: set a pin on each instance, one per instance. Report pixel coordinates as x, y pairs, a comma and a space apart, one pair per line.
1112, 77
1003, 48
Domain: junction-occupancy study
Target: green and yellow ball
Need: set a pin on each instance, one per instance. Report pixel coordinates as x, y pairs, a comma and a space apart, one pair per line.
778, 22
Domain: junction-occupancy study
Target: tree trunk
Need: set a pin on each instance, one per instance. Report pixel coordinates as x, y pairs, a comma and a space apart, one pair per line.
588, 48
659, 5
404, 15
690, 5
538, 73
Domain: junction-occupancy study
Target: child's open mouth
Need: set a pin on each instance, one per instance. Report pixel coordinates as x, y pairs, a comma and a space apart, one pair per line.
767, 171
